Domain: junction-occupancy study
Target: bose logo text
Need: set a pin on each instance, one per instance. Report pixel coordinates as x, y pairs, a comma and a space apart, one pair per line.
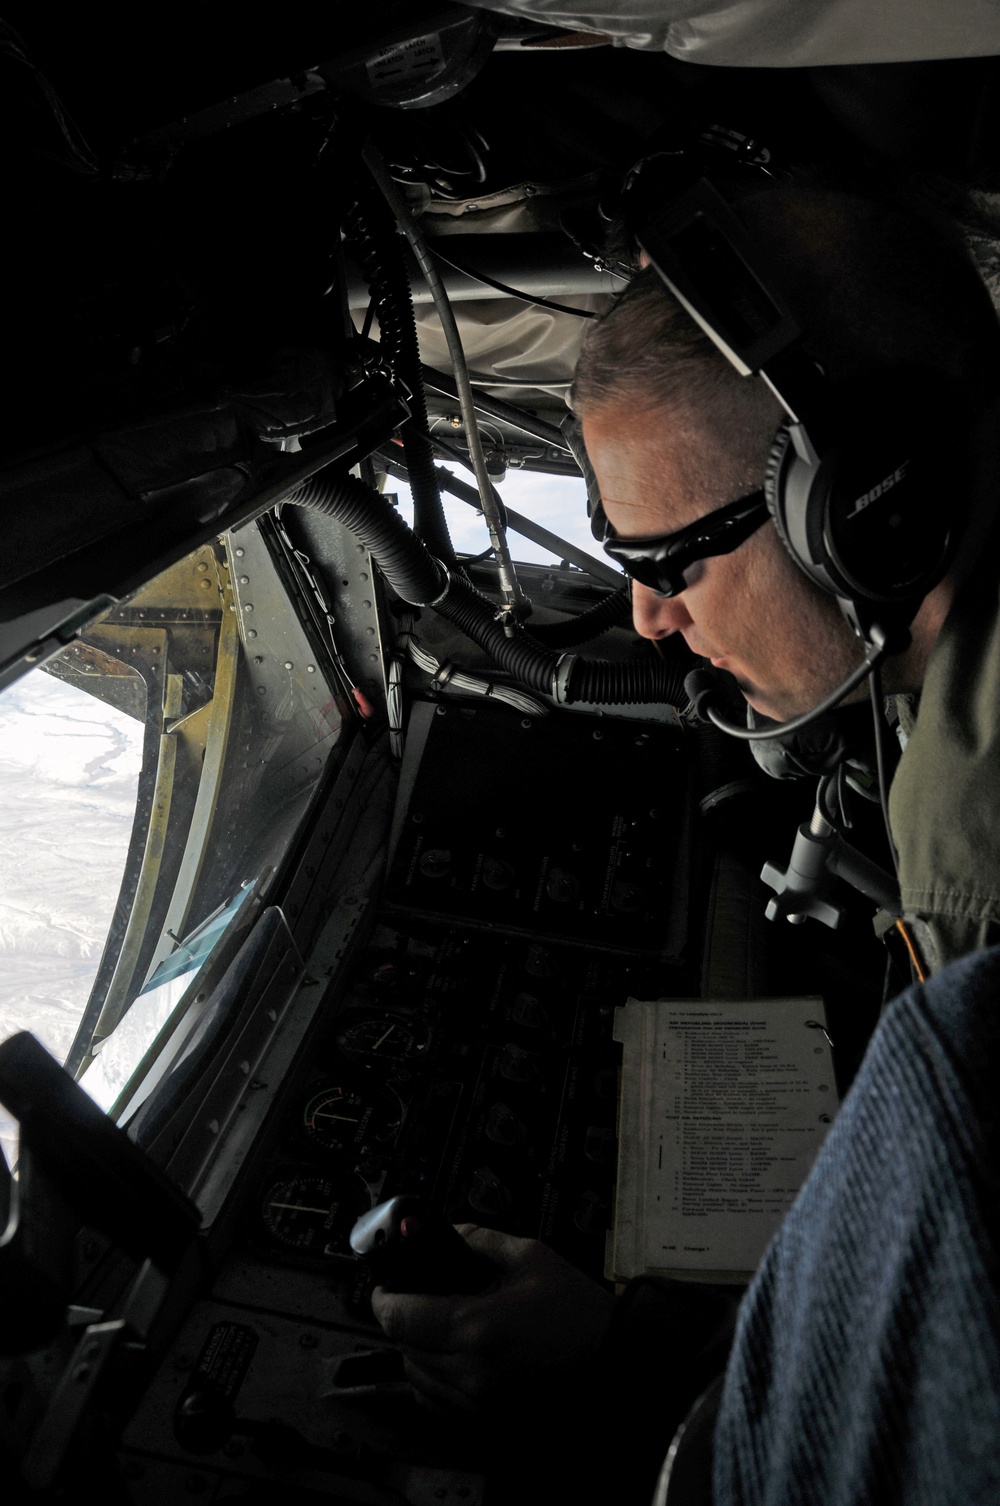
885, 485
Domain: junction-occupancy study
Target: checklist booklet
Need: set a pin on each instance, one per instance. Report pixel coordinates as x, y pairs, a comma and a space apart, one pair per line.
724, 1105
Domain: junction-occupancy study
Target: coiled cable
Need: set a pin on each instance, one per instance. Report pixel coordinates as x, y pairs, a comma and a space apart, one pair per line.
447, 673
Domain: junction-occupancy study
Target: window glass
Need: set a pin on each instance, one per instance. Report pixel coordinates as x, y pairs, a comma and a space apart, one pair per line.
558, 503
149, 800
69, 774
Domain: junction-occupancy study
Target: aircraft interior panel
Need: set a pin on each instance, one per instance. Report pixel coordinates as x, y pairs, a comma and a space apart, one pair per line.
469, 1060
409, 822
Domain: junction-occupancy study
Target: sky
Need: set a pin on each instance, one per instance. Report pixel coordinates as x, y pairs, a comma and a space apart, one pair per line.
558, 503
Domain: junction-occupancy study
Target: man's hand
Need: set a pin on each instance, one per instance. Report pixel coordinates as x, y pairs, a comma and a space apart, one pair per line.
543, 1316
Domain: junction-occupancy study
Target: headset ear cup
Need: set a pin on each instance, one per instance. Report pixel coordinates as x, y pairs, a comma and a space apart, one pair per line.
774, 489
794, 498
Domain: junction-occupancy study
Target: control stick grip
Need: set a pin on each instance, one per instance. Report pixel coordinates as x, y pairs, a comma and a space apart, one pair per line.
409, 1248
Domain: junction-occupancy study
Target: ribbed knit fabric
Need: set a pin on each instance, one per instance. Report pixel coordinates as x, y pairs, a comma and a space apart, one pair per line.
866, 1365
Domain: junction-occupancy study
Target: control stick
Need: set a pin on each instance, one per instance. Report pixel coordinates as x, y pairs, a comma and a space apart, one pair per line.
411, 1249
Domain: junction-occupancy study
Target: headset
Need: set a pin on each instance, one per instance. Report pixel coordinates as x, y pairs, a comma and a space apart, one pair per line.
854, 477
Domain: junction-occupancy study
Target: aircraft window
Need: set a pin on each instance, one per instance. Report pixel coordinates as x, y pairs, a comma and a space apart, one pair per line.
232, 720
558, 503
69, 776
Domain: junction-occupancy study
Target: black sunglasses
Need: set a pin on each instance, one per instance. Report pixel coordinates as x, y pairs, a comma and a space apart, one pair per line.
659, 561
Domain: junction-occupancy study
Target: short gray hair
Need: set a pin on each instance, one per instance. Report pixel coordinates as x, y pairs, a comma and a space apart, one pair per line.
648, 355
875, 284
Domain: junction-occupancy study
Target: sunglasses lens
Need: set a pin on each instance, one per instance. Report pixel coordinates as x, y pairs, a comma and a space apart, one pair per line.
656, 575
660, 563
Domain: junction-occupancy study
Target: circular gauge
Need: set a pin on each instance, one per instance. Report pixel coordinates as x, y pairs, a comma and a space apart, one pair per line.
311, 1214
346, 1120
377, 1038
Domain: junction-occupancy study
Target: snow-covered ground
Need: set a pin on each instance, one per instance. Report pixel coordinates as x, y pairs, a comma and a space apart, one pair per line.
69, 770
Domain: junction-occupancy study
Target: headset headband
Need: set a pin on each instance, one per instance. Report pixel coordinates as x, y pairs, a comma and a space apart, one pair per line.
709, 262
853, 478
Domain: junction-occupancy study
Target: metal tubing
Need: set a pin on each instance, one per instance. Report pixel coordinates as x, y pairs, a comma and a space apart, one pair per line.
542, 263
515, 602
527, 527
495, 407
861, 873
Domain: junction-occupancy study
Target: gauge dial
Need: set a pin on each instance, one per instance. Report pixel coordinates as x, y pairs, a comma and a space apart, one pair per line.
347, 1120
378, 1038
313, 1215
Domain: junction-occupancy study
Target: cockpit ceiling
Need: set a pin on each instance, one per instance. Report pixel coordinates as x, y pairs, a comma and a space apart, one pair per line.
193, 321
516, 349
526, 355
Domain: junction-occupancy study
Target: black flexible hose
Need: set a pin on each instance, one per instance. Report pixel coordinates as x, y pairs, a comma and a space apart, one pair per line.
564, 677
420, 580
606, 683
611, 611
403, 559
723, 769
380, 253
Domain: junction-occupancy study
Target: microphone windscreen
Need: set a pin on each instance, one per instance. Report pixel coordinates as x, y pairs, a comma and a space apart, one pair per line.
700, 686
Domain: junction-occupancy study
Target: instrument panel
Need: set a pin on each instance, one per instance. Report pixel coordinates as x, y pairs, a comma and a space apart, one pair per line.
476, 1070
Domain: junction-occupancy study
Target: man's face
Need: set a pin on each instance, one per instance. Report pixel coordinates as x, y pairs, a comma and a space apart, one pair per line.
752, 612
